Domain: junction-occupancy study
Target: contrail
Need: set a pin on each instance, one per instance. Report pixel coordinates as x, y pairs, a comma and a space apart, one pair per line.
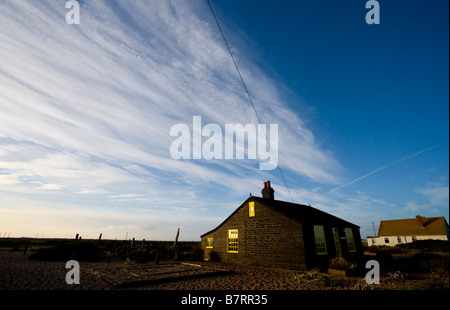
384, 167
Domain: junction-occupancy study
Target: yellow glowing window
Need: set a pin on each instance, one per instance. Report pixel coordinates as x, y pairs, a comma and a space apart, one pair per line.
251, 208
209, 243
350, 240
233, 241
319, 235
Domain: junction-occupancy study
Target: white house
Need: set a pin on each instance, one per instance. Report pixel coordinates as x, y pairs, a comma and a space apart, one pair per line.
393, 232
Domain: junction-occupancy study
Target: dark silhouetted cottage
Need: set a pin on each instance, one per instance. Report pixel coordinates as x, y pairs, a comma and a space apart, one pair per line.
268, 232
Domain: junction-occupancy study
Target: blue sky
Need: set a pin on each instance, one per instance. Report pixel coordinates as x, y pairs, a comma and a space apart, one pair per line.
86, 111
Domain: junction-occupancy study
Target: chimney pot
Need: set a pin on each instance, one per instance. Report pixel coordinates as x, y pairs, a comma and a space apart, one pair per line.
419, 221
267, 191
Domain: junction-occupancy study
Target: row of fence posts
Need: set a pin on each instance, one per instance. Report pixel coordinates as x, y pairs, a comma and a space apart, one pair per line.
78, 237
132, 244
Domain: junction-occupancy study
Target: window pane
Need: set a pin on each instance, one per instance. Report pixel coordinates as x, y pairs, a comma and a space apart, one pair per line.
251, 209
319, 234
350, 241
233, 241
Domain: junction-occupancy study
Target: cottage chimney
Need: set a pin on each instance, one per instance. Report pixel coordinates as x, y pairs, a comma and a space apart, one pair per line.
419, 221
267, 192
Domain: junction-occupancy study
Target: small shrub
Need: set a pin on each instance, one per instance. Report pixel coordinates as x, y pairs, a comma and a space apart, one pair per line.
340, 263
64, 251
434, 281
196, 254
385, 249
214, 256
384, 259
399, 275
313, 278
426, 246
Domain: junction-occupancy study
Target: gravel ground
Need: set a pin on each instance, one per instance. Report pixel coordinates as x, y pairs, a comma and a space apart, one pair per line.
17, 272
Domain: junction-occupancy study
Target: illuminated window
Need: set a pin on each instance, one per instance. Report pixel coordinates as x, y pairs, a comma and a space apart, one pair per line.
251, 208
233, 241
319, 234
209, 243
350, 240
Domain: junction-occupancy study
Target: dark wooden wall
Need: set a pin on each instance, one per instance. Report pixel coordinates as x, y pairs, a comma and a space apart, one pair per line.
314, 260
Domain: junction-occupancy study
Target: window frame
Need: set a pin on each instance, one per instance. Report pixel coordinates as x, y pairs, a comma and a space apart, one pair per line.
251, 209
351, 245
209, 243
319, 239
337, 243
233, 241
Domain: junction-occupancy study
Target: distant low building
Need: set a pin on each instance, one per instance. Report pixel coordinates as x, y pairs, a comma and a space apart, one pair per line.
393, 232
269, 232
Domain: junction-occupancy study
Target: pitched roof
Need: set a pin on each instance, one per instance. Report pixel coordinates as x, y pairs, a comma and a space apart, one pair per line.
432, 226
302, 213
298, 212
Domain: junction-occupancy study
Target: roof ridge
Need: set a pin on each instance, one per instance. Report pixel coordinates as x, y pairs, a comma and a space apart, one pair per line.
413, 218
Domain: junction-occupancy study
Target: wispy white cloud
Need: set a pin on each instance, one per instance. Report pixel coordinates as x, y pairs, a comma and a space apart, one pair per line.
437, 194
9, 179
92, 191
52, 186
112, 86
414, 207
86, 112
435, 198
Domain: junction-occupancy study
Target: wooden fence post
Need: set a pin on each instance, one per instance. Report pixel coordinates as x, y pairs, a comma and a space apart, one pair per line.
176, 238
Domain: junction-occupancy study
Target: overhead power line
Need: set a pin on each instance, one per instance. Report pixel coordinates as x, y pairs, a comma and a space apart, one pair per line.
247, 92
